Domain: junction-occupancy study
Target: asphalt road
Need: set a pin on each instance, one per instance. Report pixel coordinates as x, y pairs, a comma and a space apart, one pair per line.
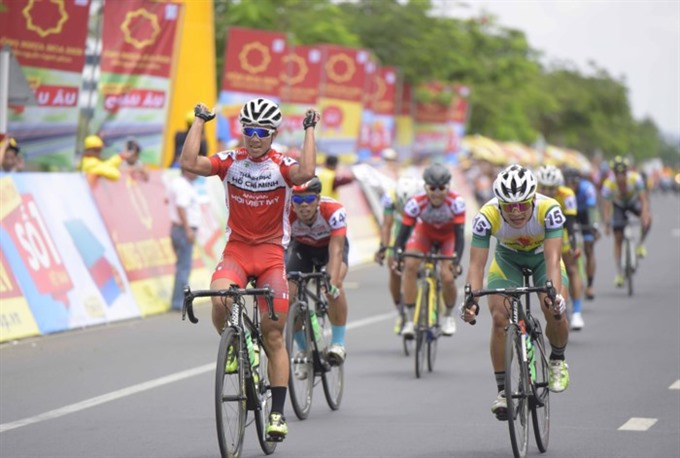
143, 388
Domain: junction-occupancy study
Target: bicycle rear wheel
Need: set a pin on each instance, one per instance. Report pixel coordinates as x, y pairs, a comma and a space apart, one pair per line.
516, 392
628, 266
230, 394
539, 402
421, 327
301, 379
263, 395
332, 375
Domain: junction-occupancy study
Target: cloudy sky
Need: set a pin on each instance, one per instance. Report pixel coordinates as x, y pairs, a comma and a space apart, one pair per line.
637, 40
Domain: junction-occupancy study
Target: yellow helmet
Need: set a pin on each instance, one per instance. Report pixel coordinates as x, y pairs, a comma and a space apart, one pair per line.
190, 117
93, 141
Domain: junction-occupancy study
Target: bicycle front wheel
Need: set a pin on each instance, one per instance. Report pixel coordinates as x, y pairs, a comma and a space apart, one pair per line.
263, 408
300, 347
628, 266
230, 394
539, 402
421, 326
516, 392
433, 330
332, 375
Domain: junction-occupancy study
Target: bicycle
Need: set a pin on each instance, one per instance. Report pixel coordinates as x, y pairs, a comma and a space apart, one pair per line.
630, 261
241, 378
526, 364
428, 304
308, 333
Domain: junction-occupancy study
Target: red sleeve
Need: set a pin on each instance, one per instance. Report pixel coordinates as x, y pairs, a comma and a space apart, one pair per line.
220, 165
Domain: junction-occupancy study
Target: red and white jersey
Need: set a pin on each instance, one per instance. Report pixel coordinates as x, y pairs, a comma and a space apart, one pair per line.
257, 194
330, 221
441, 218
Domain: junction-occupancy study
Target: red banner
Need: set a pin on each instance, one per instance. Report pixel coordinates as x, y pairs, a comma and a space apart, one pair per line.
136, 215
385, 81
405, 98
343, 73
429, 106
138, 37
460, 106
28, 232
46, 34
252, 61
301, 75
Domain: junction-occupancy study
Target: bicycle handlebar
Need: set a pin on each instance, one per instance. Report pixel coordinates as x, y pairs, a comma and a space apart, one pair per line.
304, 277
470, 295
234, 291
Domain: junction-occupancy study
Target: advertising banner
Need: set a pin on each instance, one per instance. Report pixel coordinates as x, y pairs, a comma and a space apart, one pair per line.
60, 253
136, 214
343, 80
16, 319
48, 40
300, 79
371, 84
252, 68
138, 51
404, 132
379, 133
433, 131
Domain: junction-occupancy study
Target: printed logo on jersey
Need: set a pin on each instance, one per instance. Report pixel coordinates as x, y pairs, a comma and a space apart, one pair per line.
554, 219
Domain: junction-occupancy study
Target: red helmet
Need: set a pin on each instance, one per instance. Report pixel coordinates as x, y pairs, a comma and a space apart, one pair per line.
313, 185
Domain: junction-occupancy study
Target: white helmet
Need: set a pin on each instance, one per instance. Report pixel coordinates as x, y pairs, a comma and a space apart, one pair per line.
261, 112
550, 176
407, 187
514, 184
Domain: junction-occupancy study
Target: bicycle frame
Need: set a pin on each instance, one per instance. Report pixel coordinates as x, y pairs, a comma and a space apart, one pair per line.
530, 392
427, 315
247, 389
309, 317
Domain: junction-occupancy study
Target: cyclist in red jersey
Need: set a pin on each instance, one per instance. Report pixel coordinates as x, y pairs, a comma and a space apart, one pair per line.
438, 216
319, 232
257, 184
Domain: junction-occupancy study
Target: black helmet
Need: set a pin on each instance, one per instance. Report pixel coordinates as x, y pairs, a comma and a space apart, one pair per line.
619, 164
571, 174
437, 175
313, 185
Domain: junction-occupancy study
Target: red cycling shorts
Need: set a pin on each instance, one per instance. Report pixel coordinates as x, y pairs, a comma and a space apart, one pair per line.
264, 261
424, 236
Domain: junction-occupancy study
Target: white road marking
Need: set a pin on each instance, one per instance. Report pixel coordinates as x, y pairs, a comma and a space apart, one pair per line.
134, 389
675, 232
638, 424
675, 385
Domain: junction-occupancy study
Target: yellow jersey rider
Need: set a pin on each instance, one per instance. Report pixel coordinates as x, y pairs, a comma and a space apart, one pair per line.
528, 227
625, 192
550, 183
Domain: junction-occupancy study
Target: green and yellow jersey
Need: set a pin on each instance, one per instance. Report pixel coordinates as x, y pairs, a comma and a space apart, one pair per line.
546, 221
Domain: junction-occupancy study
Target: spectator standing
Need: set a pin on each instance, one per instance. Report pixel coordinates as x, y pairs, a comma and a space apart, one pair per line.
185, 215
331, 180
11, 160
133, 163
93, 164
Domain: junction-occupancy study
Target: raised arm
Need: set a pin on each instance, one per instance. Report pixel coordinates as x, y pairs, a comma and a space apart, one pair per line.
304, 171
190, 159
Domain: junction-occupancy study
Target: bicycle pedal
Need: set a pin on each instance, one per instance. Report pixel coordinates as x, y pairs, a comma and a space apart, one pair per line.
275, 438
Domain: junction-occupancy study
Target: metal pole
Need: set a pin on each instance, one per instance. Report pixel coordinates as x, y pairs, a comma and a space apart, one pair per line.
4, 89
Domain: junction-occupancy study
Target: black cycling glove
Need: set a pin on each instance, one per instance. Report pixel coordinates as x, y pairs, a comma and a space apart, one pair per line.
310, 119
201, 111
